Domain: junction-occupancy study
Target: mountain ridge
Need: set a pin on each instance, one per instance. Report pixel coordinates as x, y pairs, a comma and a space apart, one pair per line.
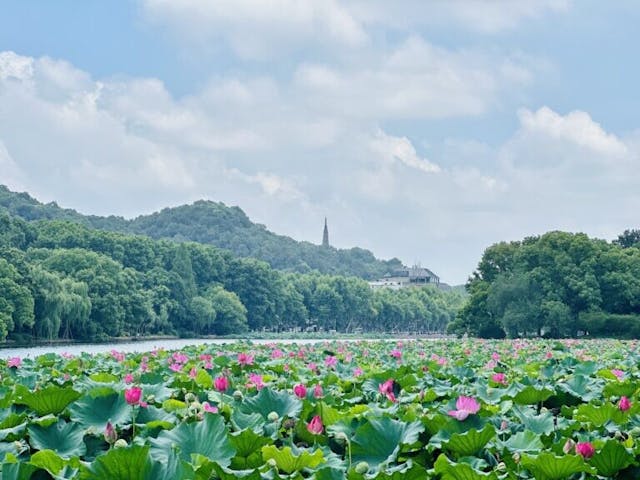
213, 223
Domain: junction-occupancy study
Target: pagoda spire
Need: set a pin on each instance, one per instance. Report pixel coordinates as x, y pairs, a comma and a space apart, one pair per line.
325, 234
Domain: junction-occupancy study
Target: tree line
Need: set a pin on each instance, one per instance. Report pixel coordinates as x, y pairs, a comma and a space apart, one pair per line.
556, 285
214, 223
61, 279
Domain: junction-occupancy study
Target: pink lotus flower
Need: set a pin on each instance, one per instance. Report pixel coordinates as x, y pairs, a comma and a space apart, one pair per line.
193, 373
245, 359
14, 362
312, 366
118, 356
209, 408
465, 406
585, 450
618, 373
315, 425
132, 395
300, 390
395, 353
386, 389
499, 378
255, 380
357, 372
495, 356
317, 391
128, 378
221, 384
624, 404
330, 361
276, 353
176, 367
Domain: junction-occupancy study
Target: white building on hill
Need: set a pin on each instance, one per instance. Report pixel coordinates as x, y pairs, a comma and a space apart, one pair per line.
415, 276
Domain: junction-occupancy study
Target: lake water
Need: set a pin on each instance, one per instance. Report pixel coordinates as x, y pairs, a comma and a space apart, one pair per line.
148, 345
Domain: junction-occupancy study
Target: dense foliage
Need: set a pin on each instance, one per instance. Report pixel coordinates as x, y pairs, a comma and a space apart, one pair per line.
558, 284
215, 224
65, 280
442, 410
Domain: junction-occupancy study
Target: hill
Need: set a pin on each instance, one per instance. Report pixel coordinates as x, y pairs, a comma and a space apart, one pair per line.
217, 224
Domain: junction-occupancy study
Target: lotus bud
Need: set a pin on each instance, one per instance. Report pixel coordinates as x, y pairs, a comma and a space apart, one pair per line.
569, 446
289, 423
151, 398
516, 457
362, 468
501, 467
120, 443
273, 416
238, 396
110, 434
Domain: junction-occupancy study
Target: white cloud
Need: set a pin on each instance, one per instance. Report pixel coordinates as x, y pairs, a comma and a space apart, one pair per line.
400, 149
576, 127
257, 28
15, 66
414, 80
483, 16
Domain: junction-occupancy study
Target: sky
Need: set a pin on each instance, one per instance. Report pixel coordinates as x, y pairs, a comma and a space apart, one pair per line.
426, 130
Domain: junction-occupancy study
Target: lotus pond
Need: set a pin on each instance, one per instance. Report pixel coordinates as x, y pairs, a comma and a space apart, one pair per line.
454, 409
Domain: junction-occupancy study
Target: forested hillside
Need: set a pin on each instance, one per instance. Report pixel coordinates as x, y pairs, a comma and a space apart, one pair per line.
61, 279
558, 284
219, 225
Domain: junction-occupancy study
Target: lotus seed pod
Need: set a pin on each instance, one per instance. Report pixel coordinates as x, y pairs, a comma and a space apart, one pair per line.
516, 457
635, 432
273, 416
362, 468
238, 396
289, 423
151, 398
272, 462
189, 397
501, 467
120, 443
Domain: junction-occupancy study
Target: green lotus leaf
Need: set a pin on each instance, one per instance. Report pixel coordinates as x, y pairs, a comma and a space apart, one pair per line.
203, 379
95, 412
155, 417
228, 474
618, 389
207, 437
469, 442
531, 395
548, 466
159, 390
541, 424
612, 458
582, 387
53, 464
289, 461
51, 399
248, 454
131, 463
244, 421
65, 439
525, 441
12, 426
267, 401
598, 415
449, 470
379, 440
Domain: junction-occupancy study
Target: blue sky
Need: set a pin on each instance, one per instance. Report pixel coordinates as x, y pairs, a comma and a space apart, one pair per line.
425, 130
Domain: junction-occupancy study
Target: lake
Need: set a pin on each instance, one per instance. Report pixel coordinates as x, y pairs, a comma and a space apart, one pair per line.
148, 345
